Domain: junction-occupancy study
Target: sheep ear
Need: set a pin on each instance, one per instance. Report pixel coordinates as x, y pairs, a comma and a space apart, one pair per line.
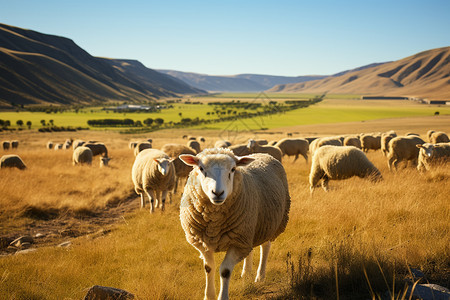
189, 159
155, 160
244, 160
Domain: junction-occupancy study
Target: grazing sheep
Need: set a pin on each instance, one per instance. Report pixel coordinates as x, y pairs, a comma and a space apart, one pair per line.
432, 154
201, 139
429, 133
222, 144
153, 173
150, 141
262, 142
272, 143
403, 149
233, 204
49, 145
310, 139
254, 147
58, 146
12, 161
319, 142
67, 144
294, 147
141, 146
352, 141
14, 144
6, 145
104, 161
240, 149
181, 169
370, 141
437, 137
132, 145
385, 139
193, 144
82, 155
340, 162
77, 143
97, 149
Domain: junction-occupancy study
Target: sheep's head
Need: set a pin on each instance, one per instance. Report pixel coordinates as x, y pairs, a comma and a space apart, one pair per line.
163, 165
251, 144
426, 149
215, 172
104, 161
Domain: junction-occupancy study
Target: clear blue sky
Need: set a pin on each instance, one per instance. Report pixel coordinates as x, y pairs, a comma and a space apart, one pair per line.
228, 37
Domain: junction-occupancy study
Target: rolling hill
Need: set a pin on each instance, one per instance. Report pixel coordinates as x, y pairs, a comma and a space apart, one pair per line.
426, 74
37, 68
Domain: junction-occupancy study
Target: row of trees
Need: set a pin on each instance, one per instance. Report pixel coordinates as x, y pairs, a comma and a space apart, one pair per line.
20, 123
125, 122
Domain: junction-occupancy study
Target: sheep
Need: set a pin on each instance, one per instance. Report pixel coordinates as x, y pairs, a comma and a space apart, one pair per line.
385, 139
193, 144
254, 147
437, 137
191, 138
77, 143
141, 146
370, 141
262, 142
12, 161
403, 149
352, 141
132, 145
240, 149
272, 143
58, 146
429, 133
150, 141
233, 204
67, 144
319, 142
294, 147
310, 139
201, 139
49, 145
104, 161
82, 155
432, 154
181, 169
14, 144
153, 173
97, 149
6, 145
340, 162
222, 144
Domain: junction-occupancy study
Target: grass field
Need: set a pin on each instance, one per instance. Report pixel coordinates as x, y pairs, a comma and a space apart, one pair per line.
337, 108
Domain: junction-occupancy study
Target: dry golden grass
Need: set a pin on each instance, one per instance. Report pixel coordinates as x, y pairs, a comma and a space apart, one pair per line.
356, 226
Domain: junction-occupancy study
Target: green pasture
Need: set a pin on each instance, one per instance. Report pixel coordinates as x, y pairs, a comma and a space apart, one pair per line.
328, 111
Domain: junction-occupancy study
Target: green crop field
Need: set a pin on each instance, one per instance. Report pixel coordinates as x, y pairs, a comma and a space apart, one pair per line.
339, 108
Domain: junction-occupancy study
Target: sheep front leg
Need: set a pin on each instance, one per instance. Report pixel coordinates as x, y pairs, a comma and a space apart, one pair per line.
163, 200
142, 200
265, 248
248, 264
210, 270
232, 257
151, 196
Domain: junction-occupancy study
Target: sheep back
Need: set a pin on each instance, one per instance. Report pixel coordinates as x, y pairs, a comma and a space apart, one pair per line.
97, 149
404, 148
174, 150
82, 155
141, 146
440, 155
369, 141
12, 161
290, 147
436, 137
352, 141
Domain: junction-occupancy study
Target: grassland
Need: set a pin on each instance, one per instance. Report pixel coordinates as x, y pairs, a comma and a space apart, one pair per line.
357, 226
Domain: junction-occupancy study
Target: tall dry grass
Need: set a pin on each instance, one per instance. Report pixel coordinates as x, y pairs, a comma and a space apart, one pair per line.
355, 241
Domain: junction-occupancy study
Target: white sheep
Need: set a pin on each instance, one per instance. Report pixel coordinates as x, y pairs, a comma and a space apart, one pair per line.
352, 141
429, 133
77, 143
181, 169
49, 145
370, 141
58, 146
254, 147
97, 149
82, 155
294, 147
132, 145
153, 173
385, 139
432, 154
222, 144
338, 163
195, 145
233, 204
141, 146
403, 148
319, 142
104, 161
12, 161
67, 144
436, 137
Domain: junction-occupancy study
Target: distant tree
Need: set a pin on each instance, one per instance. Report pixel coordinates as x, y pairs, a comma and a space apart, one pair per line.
7, 123
43, 122
138, 123
148, 121
159, 121
29, 124
19, 123
51, 122
180, 114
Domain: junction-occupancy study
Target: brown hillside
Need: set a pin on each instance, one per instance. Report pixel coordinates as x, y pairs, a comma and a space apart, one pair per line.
426, 74
40, 68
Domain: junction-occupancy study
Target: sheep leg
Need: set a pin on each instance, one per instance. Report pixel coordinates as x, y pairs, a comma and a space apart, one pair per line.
232, 257
390, 162
265, 248
247, 268
325, 183
210, 270
142, 200
151, 196
157, 199
295, 158
163, 200
306, 157
176, 185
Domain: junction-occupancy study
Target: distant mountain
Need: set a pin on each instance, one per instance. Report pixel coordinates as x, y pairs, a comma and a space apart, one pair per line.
426, 74
37, 68
235, 83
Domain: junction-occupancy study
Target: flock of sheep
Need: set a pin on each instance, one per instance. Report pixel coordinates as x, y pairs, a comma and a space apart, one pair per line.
236, 197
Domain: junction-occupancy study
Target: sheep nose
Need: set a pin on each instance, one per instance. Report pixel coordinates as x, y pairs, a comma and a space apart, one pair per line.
218, 194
